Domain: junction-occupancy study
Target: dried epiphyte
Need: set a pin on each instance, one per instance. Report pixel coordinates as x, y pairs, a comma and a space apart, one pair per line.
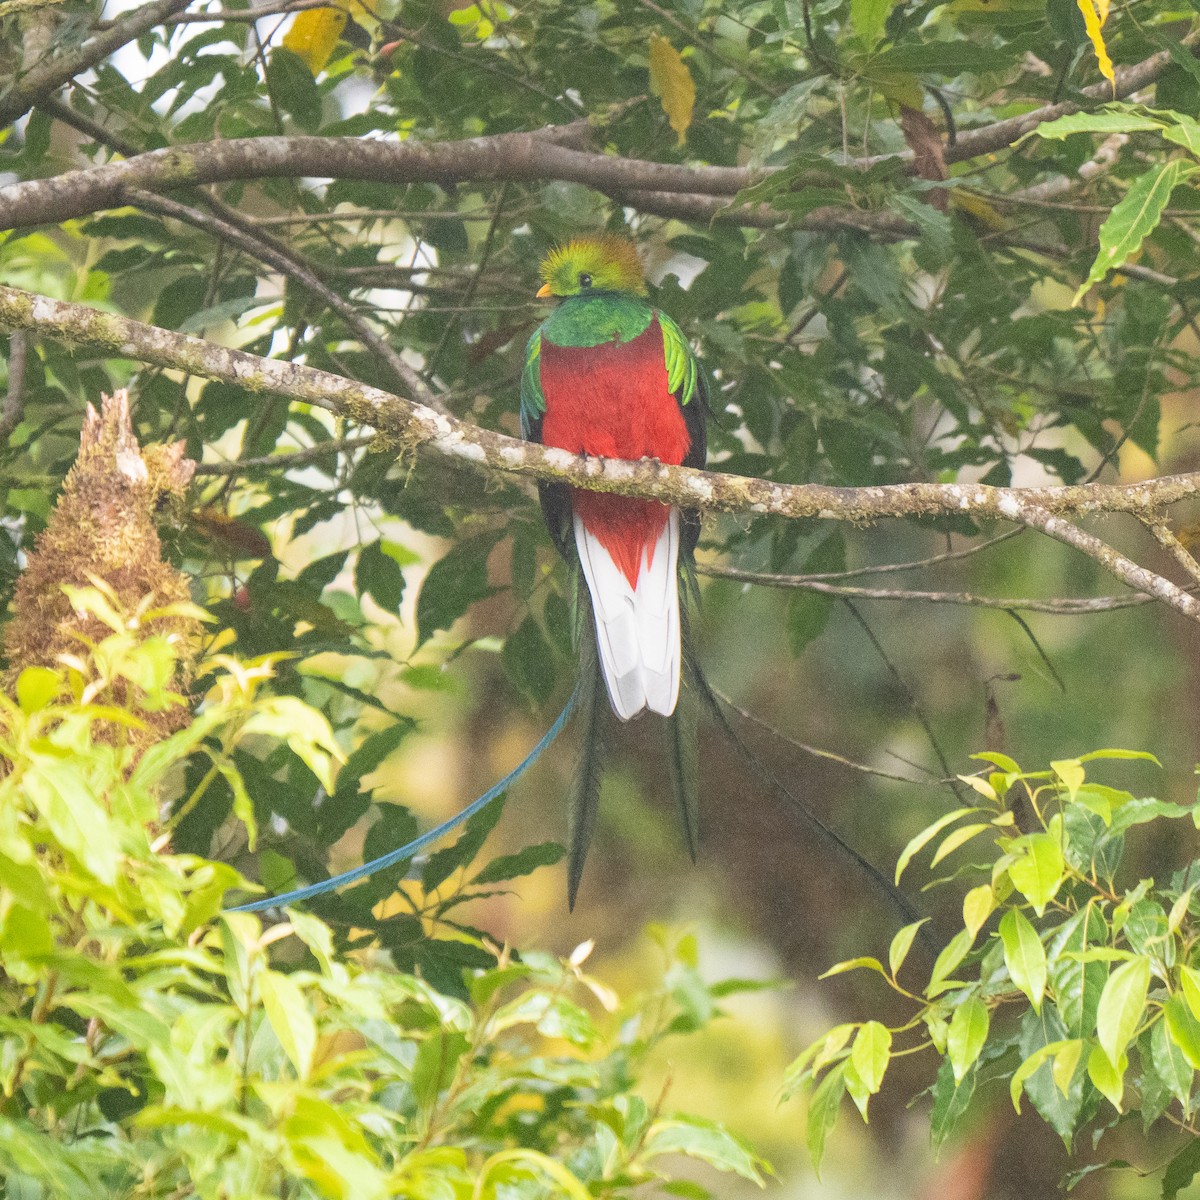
103, 529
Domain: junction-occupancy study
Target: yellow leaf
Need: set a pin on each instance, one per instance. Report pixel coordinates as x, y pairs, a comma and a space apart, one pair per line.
671, 82
314, 35
980, 209
1095, 13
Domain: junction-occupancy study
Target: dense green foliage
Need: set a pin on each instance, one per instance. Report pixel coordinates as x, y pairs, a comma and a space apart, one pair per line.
1083, 994
903, 299
151, 1046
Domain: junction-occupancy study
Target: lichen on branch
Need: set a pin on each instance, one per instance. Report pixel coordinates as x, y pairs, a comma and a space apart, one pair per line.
411, 425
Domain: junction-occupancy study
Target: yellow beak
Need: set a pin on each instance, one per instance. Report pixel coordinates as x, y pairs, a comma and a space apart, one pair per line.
544, 291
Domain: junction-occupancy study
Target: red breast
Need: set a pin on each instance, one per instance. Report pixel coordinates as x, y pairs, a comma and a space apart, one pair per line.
612, 400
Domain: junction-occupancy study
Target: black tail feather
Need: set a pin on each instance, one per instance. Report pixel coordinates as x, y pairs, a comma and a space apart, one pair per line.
585, 791
682, 756
695, 678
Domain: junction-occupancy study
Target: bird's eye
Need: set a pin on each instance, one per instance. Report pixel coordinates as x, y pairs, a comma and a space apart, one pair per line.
585, 280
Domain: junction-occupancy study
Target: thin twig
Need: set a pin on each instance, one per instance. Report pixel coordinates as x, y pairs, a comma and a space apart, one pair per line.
1060, 606
468, 295
292, 267
1105, 158
807, 749
919, 564
914, 704
55, 70
294, 458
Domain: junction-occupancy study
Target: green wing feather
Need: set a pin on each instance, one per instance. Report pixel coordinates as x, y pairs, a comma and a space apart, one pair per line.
533, 401
681, 362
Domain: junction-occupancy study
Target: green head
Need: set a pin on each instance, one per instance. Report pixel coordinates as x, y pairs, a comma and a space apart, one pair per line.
604, 262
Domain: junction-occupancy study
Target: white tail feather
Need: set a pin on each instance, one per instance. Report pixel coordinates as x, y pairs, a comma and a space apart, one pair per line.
637, 629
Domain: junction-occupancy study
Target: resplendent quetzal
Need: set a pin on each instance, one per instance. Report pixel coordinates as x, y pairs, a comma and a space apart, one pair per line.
608, 374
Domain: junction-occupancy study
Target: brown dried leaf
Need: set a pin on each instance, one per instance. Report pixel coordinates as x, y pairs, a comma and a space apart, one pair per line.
929, 157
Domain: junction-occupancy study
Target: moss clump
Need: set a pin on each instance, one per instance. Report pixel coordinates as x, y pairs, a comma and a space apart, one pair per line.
103, 528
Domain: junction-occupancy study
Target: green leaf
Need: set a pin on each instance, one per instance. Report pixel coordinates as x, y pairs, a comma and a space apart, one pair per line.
369, 755
1143, 810
952, 954
1064, 1109
73, 815
1078, 982
901, 944
978, 904
967, 1035
1184, 1029
1109, 1077
529, 661
951, 1100
1122, 1006
1135, 217
927, 835
706, 1141
305, 730
442, 864
822, 1113
867, 18
808, 612
871, 1053
378, 575
292, 85
1119, 755
1070, 771
960, 836
1038, 872
1064, 1066
218, 314
453, 584
1024, 955
37, 687
524, 862
1107, 122
1181, 1170
435, 1065
862, 963
286, 1009
1189, 979
1033, 1063
1170, 1064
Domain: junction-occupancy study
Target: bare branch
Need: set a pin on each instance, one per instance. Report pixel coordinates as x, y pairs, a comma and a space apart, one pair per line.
1105, 158
1115, 563
1169, 542
56, 70
972, 143
515, 157
548, 154
14, 400
410, 425
1063, 607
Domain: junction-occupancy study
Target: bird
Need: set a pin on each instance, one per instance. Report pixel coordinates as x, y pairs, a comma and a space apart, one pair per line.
608, 374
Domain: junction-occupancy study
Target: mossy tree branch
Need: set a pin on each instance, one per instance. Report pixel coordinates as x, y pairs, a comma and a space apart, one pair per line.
410, 424
553, 153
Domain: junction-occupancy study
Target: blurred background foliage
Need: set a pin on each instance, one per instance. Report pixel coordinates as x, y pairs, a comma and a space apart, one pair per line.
421, 605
